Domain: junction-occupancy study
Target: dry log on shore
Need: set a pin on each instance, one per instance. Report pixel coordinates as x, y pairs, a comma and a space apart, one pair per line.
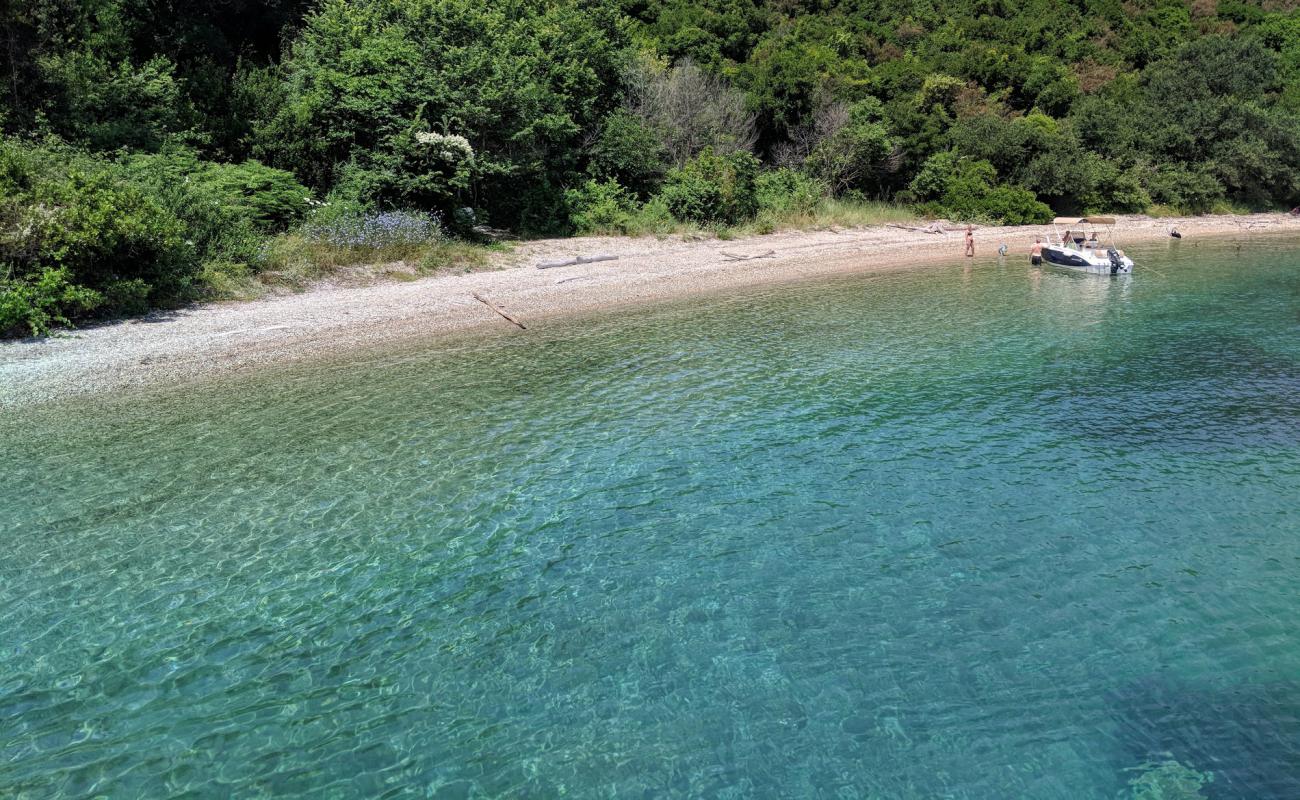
569, 262
933, 227
497, 309
738, 257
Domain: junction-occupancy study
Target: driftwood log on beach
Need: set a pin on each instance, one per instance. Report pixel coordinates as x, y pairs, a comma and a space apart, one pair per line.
569, 262
933, 227
738, 257
498, 309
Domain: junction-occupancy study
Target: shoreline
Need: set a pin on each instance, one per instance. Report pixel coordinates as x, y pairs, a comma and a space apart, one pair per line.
190, 344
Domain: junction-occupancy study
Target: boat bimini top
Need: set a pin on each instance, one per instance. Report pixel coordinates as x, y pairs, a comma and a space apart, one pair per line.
1068, 234
1079, 247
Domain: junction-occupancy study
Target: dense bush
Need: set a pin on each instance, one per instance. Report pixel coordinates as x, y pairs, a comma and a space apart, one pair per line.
852, 146
629, 151
34, 303
788, 191
94, 237
561, 115
421, 169
960, 188
80, 238
713, 189
1184, 189
365, 82
270, 199
601, 207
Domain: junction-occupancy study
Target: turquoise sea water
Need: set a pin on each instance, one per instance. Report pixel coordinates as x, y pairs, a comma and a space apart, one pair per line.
960, 532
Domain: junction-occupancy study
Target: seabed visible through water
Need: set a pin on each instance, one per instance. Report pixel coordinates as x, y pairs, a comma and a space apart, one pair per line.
959, 532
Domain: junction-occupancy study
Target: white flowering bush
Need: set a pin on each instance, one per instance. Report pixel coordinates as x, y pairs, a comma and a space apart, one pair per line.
417, 169
447, 147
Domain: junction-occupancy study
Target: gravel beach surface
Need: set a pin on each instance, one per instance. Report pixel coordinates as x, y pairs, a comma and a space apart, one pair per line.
212, 339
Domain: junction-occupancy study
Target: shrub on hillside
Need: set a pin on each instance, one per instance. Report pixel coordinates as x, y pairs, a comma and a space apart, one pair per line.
1009, 205
629, 151
600, 207
226, 209
961, 188
524, 82
713, 189
32, 304
788, 191
853, 145
1187, 190
84, 237
271, 199
85, 241
418, 169
1119, 192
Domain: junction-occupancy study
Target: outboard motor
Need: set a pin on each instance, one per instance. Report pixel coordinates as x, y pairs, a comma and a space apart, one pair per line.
1115, 263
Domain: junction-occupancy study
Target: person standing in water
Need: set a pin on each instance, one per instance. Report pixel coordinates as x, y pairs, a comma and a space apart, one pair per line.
970, 241
1036, 252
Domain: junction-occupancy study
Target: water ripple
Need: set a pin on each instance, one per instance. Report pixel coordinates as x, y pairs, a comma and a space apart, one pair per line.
996, 533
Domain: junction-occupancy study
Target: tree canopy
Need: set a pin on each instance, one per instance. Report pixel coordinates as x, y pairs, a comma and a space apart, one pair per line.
522, 113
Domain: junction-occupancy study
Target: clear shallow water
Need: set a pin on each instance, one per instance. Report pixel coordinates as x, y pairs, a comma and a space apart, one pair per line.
968, 533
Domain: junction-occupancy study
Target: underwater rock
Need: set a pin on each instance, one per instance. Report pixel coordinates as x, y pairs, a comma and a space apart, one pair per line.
1247, 737
1168, 780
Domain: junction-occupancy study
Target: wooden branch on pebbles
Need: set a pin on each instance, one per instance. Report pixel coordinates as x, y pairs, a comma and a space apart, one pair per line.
738, 257
569, 262
497, 309
933, 227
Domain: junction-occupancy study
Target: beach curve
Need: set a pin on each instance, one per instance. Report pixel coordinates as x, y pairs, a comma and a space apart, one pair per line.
194, 343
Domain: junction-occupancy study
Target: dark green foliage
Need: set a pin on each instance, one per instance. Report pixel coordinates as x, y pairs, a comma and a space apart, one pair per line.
419, 169
111, 236
953, 186
1183, 188
556, 115
713, 189
270, 199
855, 151
521, 82
1009, 205
794, 70
78, 238
83, 236
108, 105
112, 73
709, 32
600, 207
629, 152
785, 190
32, 304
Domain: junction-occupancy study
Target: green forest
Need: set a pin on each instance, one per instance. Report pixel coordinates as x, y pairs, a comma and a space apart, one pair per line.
156, 152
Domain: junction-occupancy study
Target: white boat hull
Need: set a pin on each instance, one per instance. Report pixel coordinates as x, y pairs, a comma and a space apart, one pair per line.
1092, 262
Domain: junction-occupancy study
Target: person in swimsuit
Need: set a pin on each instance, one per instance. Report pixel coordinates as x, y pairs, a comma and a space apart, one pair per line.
970, 241
1036, 252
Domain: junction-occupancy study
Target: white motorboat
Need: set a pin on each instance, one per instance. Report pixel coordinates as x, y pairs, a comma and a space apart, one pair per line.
1079, 247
